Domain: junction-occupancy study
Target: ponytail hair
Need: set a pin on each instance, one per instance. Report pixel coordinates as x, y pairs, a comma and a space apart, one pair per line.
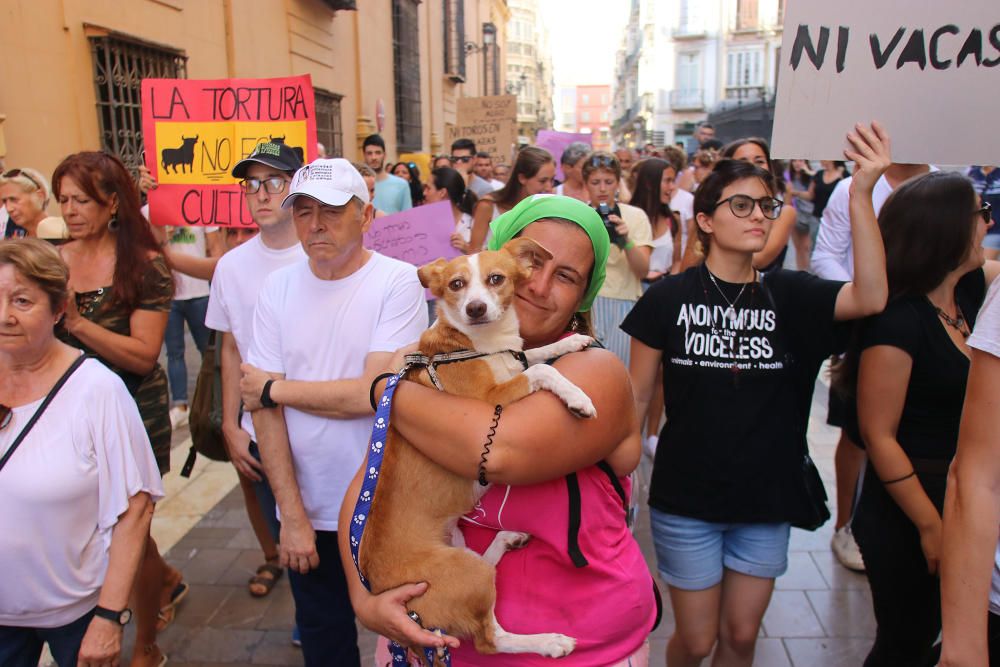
446, 178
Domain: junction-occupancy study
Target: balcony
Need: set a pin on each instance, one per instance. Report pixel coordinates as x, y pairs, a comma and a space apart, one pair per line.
689, 32
691, 99
748, 93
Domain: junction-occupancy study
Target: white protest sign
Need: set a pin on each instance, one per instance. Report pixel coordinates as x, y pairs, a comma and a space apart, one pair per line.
928, 70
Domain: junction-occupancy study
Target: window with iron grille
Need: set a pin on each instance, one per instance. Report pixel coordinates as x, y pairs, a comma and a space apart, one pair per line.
454, 39
329, 131
406, 63
120, 65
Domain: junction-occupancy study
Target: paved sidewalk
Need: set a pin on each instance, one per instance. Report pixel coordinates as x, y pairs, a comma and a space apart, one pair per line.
820, 615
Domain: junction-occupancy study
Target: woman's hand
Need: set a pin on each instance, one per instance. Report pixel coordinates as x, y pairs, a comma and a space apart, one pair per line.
101, 645
73, 317
871, 154
620, 227
251, 386
930, 544
459, 243
386, 614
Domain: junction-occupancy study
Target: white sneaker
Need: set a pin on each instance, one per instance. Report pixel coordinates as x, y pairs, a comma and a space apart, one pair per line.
178, 416
845, 548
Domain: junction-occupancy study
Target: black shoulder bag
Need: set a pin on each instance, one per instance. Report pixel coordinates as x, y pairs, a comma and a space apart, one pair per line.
41, 408
813, 511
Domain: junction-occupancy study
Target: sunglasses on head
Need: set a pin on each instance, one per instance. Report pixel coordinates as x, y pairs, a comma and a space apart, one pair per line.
14, 173
601, 162
986, 212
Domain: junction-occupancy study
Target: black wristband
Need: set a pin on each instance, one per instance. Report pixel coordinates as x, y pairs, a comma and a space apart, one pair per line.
371, 390
265, 395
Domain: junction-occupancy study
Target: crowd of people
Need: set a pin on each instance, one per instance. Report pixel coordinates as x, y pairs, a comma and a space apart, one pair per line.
707, 353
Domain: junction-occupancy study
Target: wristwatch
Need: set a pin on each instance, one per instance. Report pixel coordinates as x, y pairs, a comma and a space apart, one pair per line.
120, 617
265, 395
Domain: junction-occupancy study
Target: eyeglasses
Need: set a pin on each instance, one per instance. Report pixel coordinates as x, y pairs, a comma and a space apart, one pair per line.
986, 212
274, 185
742, 206
461, 158
601, 162
6, 415
14, 173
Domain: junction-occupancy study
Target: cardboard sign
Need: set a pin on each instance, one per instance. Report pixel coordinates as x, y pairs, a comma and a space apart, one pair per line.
491, 122
194, 133
556, 142
926, 69
416, 236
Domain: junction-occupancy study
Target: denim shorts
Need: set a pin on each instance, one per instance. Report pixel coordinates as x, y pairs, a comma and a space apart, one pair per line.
691, 554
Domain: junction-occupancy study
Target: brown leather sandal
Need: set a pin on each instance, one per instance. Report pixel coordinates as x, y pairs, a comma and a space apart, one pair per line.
267, 576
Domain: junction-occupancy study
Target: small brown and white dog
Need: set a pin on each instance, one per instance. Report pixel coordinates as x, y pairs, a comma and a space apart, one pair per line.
419, 503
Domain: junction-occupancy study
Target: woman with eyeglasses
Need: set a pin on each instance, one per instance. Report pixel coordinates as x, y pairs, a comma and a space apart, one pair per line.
410, 172
910, 366
757, 151
121, 290
77, 478
533, 173
24, 193
631, 247
740, 354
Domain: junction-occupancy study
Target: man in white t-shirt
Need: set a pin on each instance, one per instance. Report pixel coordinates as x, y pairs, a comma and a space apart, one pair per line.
323, 329
833, 259
239, 275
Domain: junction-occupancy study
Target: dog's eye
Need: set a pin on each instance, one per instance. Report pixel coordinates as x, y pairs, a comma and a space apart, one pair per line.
456, 284
495, 279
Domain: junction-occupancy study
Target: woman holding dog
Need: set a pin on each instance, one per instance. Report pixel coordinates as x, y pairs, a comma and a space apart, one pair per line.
551, 584
740, 355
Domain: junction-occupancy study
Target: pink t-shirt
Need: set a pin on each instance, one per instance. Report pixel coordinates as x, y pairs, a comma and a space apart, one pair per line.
607, 606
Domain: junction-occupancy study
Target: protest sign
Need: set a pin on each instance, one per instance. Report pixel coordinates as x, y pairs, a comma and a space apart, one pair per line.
491, 122
416, 236
924, 68
194, 133
556, 142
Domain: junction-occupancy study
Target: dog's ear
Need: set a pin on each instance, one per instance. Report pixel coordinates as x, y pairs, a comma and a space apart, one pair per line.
527, 252
430, 275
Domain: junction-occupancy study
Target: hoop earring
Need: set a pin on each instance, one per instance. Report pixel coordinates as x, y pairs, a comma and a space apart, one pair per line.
113, 223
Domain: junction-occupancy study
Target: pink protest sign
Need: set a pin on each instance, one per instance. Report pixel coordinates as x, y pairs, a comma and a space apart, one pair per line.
417, 236
556, 142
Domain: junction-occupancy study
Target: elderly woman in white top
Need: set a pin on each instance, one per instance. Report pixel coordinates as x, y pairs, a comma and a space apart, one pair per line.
25, 194
78, 486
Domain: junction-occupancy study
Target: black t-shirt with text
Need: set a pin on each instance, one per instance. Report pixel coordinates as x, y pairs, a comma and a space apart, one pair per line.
738, 385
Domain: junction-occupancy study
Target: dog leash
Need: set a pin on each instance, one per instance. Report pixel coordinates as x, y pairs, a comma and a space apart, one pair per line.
362, 509
431, 362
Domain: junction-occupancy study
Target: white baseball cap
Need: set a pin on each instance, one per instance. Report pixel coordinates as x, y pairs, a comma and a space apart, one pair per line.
332, 182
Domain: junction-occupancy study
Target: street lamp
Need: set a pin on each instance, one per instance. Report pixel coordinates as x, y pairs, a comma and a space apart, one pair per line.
489, 39
516, 88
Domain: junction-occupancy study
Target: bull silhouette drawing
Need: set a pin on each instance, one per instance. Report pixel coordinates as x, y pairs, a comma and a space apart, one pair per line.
295, 149
182, 156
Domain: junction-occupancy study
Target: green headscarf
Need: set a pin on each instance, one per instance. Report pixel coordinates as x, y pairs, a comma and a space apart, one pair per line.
539, 207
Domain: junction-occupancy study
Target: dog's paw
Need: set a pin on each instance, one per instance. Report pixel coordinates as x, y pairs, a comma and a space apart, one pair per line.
581, 406
554, 645
576, 342
513, 540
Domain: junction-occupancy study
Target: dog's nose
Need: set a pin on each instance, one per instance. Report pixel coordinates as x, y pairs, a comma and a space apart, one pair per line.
475, 309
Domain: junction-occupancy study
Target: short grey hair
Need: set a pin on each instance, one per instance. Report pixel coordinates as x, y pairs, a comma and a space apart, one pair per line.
575, 152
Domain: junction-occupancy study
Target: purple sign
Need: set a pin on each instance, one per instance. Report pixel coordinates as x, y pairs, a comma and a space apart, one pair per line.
556, 142
417, 236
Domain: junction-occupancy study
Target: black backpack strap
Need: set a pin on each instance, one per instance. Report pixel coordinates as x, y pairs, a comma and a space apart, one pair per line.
41, 408
573, 541
615, 482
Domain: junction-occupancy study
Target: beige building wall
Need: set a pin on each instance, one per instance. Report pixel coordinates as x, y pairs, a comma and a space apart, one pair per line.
47, 90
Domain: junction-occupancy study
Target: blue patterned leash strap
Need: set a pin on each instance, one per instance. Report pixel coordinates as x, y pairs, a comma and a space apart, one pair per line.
362, 508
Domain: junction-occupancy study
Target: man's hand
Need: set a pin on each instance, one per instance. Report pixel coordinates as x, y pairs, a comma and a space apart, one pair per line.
251, 385
238, 447
101, 645
297, 544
